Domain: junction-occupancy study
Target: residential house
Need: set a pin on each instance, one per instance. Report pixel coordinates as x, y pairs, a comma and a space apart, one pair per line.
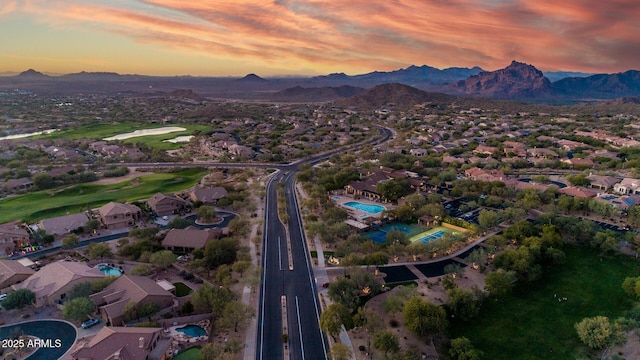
578, 192
116, 216
13, 272
513, 145
162, 204
485, 175
189, 239
447, 159
604, 153
418, 152
60, 171
11, 237
52, 283
570, 145
129, 289
579, 163
627, 186
484, 150
602, 182
122, 343
619, 202
18, 185
542, 153
208, 195
63, 225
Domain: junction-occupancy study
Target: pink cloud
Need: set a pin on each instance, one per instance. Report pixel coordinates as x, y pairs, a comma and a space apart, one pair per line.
359, 35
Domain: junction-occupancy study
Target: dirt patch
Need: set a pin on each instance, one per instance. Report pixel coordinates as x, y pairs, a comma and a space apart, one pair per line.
432, 291
630, 349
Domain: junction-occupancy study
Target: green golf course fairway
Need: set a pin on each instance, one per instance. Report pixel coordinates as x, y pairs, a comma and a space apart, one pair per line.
39, 205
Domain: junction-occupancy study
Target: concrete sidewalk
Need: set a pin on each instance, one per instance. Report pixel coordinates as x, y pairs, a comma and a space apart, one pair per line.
252, 330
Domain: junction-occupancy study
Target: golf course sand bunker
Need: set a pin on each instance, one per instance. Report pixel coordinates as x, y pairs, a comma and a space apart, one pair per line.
146, 132
180, 139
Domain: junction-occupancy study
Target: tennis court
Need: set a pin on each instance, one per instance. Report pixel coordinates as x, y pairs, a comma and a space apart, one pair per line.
380, 235
433, 234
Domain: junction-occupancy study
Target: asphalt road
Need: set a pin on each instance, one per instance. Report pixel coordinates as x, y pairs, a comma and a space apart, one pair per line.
293, 280
296, 283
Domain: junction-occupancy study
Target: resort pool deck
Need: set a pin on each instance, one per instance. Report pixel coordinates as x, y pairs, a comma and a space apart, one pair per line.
361, 210
367, 208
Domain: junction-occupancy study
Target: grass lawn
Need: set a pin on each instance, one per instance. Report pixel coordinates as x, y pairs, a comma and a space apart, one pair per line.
182, 289
102, 130
191, 354
73, 199
532, 324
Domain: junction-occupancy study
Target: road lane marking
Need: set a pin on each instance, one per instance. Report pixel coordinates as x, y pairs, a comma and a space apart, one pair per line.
285, 344
280, 253
305, 250
300, 328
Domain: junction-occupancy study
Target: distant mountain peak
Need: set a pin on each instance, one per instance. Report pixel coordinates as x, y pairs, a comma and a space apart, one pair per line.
518, 80
32, 73
393, 95
252, 77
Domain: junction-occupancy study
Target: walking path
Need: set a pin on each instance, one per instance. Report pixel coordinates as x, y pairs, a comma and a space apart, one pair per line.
252, 330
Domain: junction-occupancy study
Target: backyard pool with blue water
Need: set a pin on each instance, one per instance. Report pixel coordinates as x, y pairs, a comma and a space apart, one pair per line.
192, 330
109, 270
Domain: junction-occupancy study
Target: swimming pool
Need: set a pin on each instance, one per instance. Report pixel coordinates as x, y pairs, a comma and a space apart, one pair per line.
192, 330
109, 270
335, 197
368, 208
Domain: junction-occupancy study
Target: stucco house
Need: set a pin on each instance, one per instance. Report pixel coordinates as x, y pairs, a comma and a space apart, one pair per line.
189, 239
163, 204
13, 272
628, 186
208, 195
12, 236
116, 216
52, 283
129, 289
63, 225
122, 343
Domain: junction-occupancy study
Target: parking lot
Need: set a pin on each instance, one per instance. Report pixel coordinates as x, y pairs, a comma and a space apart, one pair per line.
606, 226
454, 210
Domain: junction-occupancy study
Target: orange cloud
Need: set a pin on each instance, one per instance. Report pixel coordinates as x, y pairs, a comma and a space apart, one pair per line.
365, 35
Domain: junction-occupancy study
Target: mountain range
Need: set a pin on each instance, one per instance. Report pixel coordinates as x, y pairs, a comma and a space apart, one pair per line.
517, 81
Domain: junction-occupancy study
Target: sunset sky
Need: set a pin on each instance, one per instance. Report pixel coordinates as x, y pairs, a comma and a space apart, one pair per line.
309, 37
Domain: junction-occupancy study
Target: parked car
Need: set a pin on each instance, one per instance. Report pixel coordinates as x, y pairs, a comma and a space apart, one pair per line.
3, 296
325, 285
89, 323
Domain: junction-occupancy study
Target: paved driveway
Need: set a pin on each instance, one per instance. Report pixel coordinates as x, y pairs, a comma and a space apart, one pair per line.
48, 330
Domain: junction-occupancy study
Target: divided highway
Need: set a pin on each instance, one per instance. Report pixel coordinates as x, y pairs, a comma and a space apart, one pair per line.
293, 280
